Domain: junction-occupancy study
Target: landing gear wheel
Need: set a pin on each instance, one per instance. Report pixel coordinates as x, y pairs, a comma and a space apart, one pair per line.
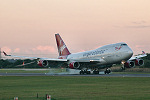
107, 71
81, 72
95, 72
84, 72
88, 72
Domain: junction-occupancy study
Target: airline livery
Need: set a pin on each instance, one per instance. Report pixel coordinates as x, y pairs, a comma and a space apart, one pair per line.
100, 58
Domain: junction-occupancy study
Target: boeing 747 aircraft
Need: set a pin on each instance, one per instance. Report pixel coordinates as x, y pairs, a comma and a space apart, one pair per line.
100, 58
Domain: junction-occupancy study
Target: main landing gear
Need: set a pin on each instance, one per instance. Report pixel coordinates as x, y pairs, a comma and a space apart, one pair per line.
85, 72
89, 72
96, 71
107, 71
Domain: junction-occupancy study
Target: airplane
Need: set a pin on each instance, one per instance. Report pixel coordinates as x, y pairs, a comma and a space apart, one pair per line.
95, 60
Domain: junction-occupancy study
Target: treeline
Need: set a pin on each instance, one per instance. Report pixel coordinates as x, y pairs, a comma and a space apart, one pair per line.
18, 63
27, 63
147, 61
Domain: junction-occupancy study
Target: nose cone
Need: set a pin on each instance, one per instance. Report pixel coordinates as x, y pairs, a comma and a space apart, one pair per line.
130, 52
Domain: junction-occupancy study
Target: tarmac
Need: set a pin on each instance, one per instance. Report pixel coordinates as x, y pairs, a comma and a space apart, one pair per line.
72, 72
99, 75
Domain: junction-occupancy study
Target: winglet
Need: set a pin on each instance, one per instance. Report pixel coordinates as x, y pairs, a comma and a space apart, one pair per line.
6, 54
143, 53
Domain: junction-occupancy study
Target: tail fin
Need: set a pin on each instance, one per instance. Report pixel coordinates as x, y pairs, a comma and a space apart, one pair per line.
62, 48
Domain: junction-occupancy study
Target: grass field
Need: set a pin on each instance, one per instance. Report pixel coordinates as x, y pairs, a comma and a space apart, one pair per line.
74, 88
32, 70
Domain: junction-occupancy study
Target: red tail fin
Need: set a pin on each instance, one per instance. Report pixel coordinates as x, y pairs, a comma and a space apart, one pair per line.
62, 48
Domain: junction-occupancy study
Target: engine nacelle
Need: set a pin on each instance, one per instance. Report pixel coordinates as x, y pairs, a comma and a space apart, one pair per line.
43, 63
129, 64
74, 65
139, 62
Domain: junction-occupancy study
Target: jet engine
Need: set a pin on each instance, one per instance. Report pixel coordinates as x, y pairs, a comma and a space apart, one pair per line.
74, 65
139, 62
129, 64
43, 63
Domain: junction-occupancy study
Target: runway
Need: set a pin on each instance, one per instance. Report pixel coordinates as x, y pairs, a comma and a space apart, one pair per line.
100, 75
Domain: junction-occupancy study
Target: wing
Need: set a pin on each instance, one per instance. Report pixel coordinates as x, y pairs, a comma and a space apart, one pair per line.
139, 56
53, 59
38, 58
24, 64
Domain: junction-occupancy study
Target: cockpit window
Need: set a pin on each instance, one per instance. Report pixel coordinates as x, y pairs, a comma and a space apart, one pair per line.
123, 44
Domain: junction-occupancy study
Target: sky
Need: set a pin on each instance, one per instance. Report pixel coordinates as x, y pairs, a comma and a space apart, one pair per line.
27, 27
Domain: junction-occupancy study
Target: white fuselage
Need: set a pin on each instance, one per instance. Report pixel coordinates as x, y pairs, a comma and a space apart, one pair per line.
108, 54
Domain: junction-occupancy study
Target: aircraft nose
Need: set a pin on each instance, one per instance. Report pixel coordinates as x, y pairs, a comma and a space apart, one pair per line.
130, 52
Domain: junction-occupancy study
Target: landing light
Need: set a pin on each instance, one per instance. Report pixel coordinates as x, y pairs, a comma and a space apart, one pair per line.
122, 62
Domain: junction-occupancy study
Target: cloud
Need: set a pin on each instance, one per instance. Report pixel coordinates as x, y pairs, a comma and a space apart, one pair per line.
17, 50
44, 49
139, 48
9, 50
134, 24
138, 24
81, 50
6, 49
